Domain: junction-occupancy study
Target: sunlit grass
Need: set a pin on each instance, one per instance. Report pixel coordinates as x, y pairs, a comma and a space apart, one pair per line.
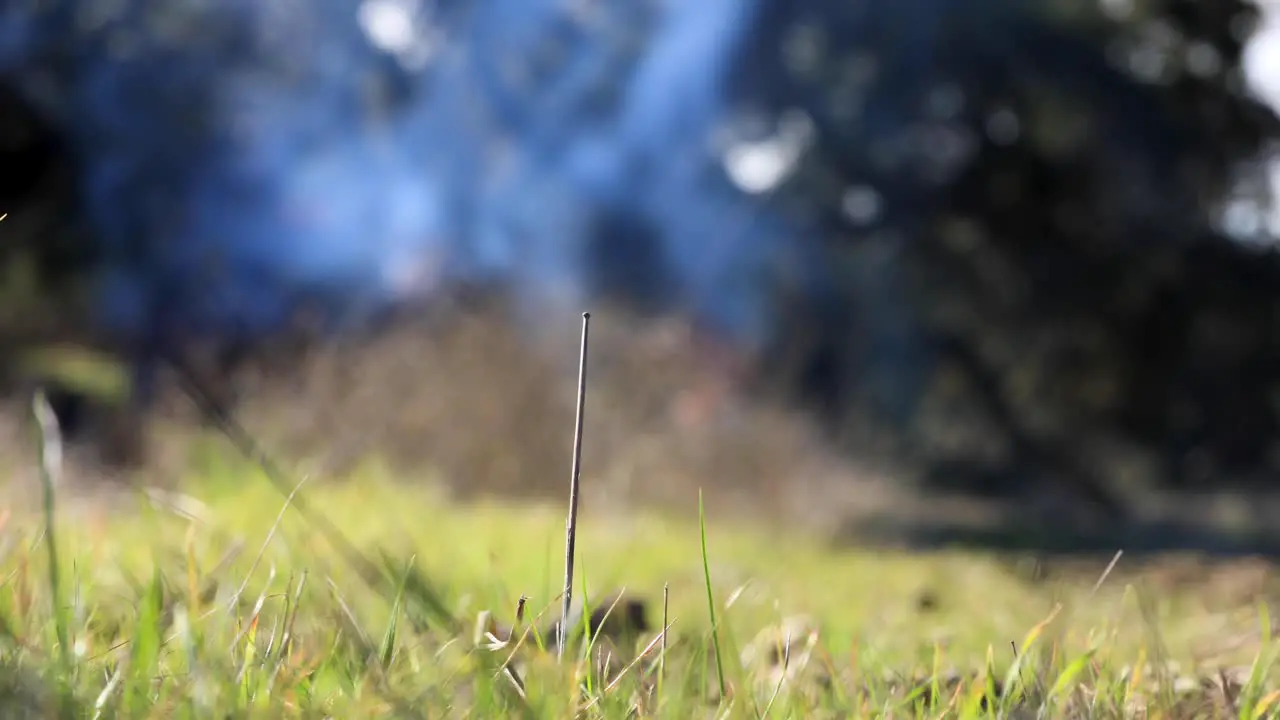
198, 604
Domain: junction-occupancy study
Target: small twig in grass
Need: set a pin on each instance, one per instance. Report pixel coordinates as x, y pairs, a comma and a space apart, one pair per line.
50, 442
571, 525
1106, 572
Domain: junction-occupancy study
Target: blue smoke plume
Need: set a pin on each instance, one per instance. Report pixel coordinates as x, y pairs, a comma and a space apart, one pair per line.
236, 155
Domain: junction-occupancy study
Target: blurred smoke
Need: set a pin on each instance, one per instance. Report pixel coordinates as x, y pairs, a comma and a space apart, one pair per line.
236, 156
238, 159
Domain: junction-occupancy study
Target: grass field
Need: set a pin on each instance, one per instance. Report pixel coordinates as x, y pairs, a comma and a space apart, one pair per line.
218, 599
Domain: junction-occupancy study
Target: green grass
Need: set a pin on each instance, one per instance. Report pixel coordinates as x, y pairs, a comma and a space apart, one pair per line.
215, 603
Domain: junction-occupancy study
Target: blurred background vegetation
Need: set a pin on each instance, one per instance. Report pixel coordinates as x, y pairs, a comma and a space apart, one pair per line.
1050, 281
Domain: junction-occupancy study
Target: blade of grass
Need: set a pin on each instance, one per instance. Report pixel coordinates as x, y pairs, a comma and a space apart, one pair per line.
50, 444
711, 601
1253, 690
145, 655
662, 652
275, 526
387, 651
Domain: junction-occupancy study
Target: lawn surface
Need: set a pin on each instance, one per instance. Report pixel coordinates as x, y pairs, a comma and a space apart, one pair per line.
216, 600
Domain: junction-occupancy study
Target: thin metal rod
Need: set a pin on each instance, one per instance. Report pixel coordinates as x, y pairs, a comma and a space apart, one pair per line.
571, 525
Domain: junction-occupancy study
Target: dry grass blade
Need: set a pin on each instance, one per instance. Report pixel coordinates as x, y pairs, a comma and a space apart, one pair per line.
571, 524
1106, 572
235, 598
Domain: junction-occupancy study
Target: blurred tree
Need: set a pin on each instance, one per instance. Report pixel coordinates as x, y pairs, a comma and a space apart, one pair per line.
1019, 207
1060, 231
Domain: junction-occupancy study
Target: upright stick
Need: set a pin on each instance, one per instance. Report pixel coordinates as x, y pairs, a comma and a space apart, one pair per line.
571, 525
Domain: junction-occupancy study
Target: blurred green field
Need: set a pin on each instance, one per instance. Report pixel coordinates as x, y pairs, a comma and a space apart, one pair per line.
214, 599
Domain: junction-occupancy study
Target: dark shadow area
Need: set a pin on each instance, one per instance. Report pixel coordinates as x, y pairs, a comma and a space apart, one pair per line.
1138, 540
